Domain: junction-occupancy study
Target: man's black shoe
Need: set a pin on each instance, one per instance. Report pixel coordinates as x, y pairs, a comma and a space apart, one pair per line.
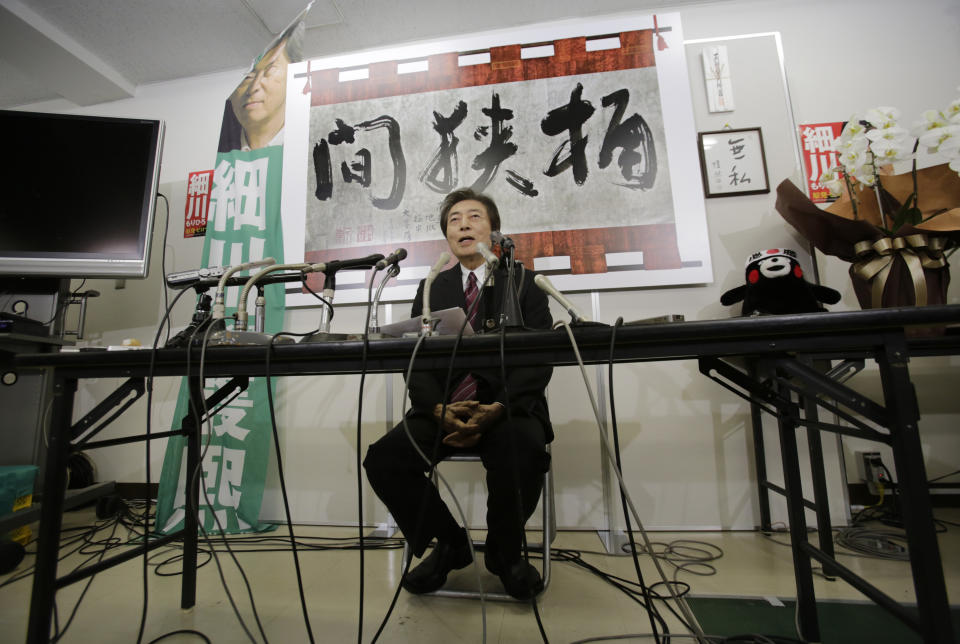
432, 572
521, 580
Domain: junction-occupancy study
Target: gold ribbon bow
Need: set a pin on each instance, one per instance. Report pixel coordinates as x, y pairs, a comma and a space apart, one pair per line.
875, 259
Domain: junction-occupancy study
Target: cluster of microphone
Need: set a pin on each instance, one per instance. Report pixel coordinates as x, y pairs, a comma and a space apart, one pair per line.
271, 272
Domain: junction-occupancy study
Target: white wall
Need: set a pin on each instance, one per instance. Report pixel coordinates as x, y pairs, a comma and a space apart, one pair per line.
686, 441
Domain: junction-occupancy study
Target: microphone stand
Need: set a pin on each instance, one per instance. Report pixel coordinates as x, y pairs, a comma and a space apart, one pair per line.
326, 314
373, 332
201, 318
510, 315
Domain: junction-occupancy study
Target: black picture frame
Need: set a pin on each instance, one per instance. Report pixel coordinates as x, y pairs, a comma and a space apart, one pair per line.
733, 162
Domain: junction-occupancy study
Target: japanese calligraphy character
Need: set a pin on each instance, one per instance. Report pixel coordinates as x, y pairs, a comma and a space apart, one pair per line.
569, 118
223, 196
231, 477
228, 422
736, 179
361, 170
398, 185
818, 139
736, 147
635, 141
442, 172
500, 147
251, 187
199, 184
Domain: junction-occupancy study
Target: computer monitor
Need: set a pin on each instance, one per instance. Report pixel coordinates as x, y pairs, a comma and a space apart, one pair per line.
77, 194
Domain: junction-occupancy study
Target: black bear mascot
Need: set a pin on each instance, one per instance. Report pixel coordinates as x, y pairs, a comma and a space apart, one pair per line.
775, 285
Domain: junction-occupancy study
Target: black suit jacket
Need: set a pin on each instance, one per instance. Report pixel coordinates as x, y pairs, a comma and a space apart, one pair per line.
524, 385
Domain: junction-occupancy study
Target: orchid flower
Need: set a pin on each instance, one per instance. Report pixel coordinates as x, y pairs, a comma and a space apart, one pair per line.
953, 110
942, 138
932, 119
885, 151
852, 129
882, 117
892, 133
866, 174
832, 181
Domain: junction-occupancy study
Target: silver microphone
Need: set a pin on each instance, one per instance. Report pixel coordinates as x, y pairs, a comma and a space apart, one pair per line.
426, 326
488, 257
547, 287
219, 305
242, 314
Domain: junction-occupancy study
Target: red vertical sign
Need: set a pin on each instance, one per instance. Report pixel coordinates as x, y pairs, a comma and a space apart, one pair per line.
198, 203
818, 157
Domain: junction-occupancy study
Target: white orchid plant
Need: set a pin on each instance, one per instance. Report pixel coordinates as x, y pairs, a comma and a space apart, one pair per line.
869, 143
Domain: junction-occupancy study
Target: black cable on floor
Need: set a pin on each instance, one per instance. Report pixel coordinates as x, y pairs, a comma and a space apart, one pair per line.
283, 489
60, 633
514, 465
182, 631
619, 464
623, 585
358, 463
206, 498
148, 427
396, 592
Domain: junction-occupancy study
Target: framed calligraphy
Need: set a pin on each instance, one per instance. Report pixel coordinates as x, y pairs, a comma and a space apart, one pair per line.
577, 136
732, 163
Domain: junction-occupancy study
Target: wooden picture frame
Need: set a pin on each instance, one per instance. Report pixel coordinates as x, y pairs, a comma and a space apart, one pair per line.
733, 162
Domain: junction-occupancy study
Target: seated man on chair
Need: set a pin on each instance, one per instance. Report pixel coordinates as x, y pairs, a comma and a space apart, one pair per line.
510, 442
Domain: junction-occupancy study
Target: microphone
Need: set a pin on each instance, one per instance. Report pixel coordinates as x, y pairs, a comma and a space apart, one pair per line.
547, 287
242, 314
498, 237
489, 258
340, 264
393, 258
219, 307
426, 326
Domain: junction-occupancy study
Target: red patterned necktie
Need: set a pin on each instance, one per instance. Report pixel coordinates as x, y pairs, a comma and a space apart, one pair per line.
467, 388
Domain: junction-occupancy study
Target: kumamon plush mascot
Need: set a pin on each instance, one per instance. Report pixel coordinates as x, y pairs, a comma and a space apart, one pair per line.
775, 285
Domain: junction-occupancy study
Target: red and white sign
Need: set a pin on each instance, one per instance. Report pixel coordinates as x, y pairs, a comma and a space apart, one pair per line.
818, 157
198, 203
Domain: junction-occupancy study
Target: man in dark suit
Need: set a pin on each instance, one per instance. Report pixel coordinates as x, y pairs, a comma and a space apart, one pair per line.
507, 423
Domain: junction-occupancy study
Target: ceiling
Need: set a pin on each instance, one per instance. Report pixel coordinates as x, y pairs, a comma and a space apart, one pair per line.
94, 51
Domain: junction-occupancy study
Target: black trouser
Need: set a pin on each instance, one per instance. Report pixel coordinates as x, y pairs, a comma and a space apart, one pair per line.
397, 474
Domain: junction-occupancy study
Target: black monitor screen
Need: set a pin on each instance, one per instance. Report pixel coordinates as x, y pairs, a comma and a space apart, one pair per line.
78, 194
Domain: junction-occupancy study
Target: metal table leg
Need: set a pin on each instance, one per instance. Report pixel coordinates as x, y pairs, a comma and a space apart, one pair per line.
51, 514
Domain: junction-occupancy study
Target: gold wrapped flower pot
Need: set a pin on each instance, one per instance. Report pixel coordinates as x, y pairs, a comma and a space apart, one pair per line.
890, 266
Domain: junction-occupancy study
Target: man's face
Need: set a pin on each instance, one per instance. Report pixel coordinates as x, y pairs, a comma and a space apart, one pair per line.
261, 94
467, 224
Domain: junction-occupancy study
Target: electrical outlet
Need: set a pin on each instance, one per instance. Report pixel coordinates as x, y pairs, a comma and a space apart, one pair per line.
870, 469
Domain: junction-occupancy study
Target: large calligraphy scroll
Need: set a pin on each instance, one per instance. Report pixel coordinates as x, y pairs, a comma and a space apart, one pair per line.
573, 146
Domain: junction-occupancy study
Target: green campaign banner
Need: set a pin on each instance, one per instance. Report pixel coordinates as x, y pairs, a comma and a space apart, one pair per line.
244, 226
